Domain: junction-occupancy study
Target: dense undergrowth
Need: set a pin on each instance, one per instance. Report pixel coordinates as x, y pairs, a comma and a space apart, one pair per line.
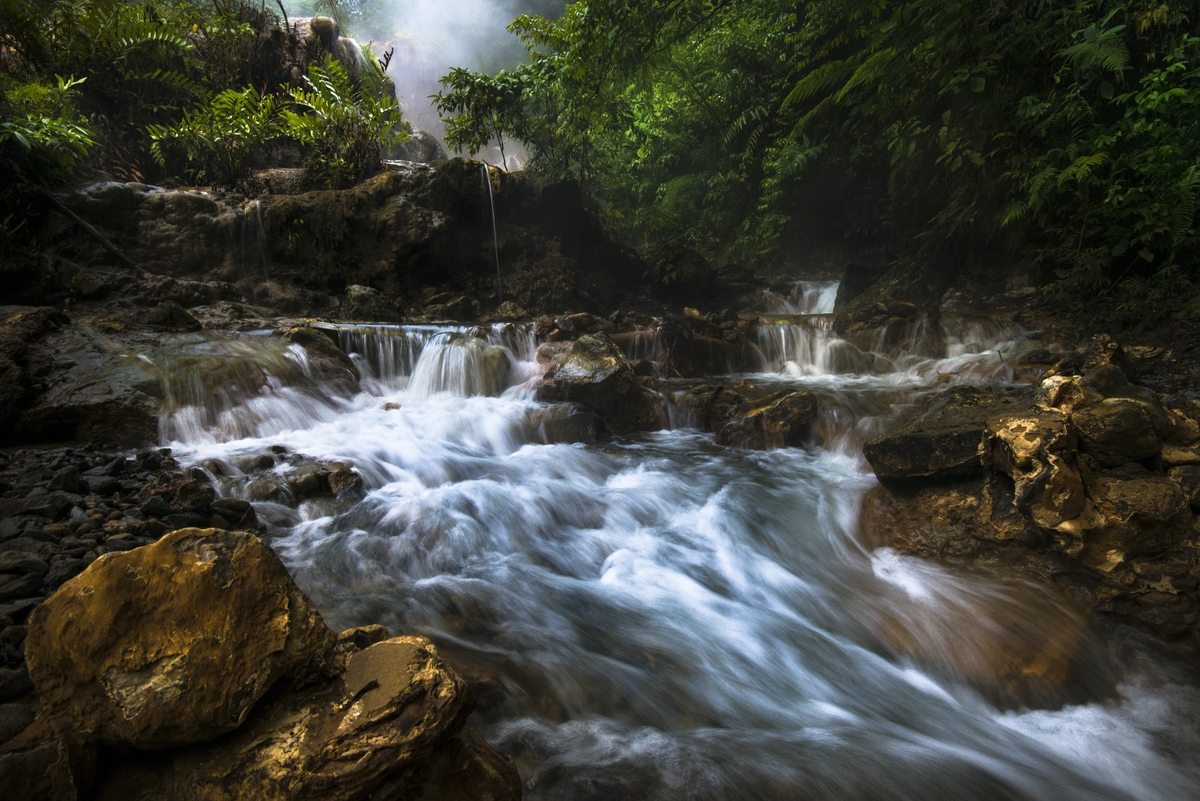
185, 91
1067, 133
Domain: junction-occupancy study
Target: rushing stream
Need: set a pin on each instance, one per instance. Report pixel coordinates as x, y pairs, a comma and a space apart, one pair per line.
656, 617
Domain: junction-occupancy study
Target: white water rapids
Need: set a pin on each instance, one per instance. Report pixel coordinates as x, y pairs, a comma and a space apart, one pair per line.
656, 617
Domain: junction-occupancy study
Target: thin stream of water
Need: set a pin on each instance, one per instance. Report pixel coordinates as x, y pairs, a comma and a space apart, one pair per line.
656, 617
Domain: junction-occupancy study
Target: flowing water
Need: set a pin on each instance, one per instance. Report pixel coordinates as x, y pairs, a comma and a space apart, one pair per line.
656, 617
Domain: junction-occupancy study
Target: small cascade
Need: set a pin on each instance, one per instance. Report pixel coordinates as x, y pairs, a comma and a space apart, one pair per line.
462, 365
971, 350
385, 355
219, 389
254, 217
388, 356
806, 297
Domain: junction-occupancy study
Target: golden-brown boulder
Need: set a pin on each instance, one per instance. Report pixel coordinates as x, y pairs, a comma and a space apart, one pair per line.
172, 643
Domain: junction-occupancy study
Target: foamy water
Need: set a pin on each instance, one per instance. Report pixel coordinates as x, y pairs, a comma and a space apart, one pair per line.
660, 618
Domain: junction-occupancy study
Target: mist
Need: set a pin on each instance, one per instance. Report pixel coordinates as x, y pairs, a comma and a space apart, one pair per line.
432, 36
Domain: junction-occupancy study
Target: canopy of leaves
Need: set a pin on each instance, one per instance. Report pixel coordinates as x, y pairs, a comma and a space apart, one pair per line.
943, 131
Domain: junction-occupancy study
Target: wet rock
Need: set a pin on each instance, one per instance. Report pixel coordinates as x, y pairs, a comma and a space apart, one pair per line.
104, 485
1102, 350
565, 423
16, 685
173, 643
856, 279
390, 726
179, 491
66, 480
1036, 452
341, 480
14, 719
236, 512
35, 764
170, 316
326, 353
365, 304
62, 571
1117, 430
946, 440
1140, 516
22, 587
1177, 455
783, 420
87, 389
27, 544
156, 507
594, 372
507, 311
20, 562
461, 307
1188, 479
421, 146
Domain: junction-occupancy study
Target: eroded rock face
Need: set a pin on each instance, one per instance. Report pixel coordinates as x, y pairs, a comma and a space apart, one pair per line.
172, 643
593, 371
1076, 485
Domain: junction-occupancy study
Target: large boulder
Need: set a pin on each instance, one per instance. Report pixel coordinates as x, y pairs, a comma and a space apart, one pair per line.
1067, 484
172, 643
946, 441
593, 372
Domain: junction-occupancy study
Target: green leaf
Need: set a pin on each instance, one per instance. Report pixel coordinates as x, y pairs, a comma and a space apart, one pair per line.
978, 82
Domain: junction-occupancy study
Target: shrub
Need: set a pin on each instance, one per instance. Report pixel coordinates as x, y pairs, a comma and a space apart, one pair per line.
345, 123
218, 141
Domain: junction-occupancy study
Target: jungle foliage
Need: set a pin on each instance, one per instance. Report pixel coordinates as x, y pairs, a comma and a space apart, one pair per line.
162, 90
1067, 132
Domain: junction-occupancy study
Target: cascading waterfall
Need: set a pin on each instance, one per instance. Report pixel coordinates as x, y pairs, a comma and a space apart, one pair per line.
806, 297
661, 618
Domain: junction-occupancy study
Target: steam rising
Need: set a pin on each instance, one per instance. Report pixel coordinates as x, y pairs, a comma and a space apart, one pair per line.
432, 36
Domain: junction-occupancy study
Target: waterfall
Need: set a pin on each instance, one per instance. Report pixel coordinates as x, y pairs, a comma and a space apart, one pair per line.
806, 297
487, 179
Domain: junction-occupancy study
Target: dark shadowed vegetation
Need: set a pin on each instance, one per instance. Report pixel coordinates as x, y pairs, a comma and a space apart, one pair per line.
943, 134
